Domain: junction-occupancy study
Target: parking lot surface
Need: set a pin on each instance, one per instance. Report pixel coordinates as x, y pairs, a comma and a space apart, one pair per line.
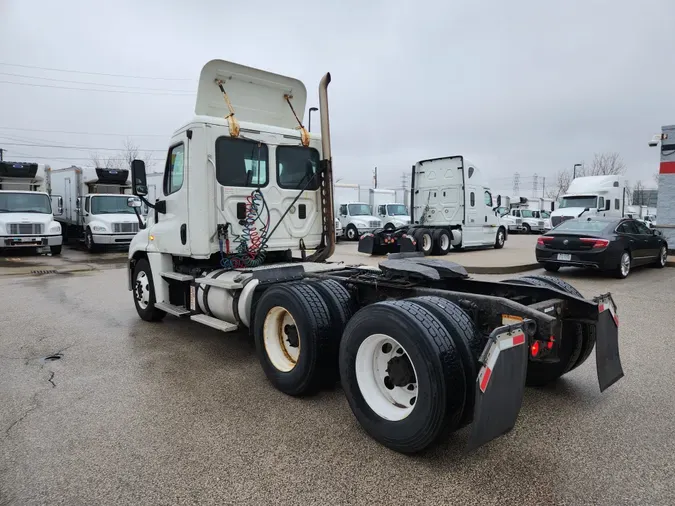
177, 413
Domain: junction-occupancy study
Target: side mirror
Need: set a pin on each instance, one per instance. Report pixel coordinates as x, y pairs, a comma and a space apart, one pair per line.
77, 205
139, 183
499, 201
608, 205
133, 202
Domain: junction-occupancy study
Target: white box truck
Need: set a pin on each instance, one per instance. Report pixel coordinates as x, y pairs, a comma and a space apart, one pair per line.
355, 215
392, 213
95, 206
421, 349
593, 196
26, 213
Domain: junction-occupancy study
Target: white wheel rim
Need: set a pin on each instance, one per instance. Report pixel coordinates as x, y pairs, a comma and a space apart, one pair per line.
393, 403
445, 242
664, 256
426, 242
500, 237
625, 264
142, 290
350, 233
278, 336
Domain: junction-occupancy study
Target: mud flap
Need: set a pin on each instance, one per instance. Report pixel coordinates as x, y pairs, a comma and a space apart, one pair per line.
500, 384
607, 357
407, 244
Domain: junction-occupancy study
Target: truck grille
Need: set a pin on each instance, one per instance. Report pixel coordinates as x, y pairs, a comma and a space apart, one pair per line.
557, 220
519, 221
125, 228
25, 228
374, 223
540, 223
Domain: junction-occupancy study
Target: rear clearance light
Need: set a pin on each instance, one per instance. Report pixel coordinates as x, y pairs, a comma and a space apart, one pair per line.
534, 349
596, 243
542, 240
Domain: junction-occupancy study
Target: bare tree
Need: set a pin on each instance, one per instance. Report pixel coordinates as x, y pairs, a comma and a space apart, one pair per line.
604, 164
132, 152
656, 178
104, 162
560, 184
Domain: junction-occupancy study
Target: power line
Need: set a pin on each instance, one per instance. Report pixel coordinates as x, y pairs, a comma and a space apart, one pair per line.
93, 84
87, 158
127, 92
82, 133
95, 73
86, 148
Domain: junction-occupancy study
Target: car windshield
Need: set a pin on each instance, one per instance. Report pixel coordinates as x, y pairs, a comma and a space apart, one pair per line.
544, 214
397, 210
359, 210
111, 205
590, 202
526, 214
25, 203
581, 226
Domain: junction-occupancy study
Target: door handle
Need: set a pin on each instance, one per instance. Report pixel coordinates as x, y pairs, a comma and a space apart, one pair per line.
183, 234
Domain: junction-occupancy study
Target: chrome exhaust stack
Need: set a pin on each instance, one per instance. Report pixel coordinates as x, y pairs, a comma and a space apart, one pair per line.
327, 247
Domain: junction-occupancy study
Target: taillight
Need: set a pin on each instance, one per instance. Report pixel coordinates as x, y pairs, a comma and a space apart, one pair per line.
534, 349
595, 243
542, 240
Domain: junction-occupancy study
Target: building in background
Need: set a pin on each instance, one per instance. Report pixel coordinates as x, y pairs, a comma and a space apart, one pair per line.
665, 209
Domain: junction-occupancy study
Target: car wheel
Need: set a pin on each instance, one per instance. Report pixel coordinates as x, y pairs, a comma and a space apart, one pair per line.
552, 267
623, 270
55, 250
89, 242
527, 229
352, 233
662, 258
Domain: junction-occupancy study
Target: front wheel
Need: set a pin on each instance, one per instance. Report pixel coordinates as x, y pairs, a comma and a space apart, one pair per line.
527, 229
352, 233
662, 258
500, 239
55, 250
144, 293
89, 242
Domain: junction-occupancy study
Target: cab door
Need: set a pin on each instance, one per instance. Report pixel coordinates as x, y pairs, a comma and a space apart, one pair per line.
170, 233
490, 220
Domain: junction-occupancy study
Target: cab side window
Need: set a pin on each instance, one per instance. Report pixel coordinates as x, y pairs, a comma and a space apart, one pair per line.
343, 210
86, 204
488, 199
381, 210
174, 173
642, 228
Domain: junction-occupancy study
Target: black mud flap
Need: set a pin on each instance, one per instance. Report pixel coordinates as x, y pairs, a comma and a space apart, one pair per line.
607, 357
500, 384
407, 244
367, 243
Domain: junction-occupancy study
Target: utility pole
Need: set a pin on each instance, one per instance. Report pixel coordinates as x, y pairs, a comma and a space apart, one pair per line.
375, 177
1, 157
535, 182
404, 180
516, 183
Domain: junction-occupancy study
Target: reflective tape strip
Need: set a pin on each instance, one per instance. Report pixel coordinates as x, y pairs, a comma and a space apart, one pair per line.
509, 342
606, 305
486, 371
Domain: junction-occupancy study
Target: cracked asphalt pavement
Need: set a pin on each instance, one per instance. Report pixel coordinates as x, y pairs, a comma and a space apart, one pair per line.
128, 412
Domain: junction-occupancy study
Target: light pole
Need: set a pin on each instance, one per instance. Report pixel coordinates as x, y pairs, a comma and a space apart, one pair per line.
311, 110
574, 170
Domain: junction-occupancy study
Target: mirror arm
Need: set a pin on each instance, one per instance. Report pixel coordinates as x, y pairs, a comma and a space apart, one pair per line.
146, 202
141, 225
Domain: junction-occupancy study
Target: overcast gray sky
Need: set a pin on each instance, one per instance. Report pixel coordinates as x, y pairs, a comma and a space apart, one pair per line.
524, 86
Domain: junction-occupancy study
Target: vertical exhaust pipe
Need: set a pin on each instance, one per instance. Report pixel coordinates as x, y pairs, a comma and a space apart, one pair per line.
327, 247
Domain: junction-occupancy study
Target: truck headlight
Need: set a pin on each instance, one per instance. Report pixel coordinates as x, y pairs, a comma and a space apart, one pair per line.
97, 228
55, 228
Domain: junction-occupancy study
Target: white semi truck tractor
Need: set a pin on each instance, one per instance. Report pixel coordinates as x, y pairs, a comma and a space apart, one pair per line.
26, 212
240, 241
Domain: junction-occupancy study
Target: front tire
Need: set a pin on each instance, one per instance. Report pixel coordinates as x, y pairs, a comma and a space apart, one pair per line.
144, 292
89, 241
402, 375
527, 229
351, 233
500, 239
55, 250
662, 258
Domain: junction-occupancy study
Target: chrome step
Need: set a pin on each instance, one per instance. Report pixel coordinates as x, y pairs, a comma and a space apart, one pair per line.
219, 283
177, 276
214, 322
171, 309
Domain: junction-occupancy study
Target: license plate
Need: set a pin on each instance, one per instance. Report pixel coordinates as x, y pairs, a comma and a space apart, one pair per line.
564, 256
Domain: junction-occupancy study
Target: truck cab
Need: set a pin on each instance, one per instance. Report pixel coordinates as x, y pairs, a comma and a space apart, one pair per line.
26, 214
531, 220
357, 218
593, 196
393, 215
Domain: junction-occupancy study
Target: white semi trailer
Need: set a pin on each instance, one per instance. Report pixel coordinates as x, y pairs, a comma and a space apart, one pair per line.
95, 207
240, 241
26, 213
